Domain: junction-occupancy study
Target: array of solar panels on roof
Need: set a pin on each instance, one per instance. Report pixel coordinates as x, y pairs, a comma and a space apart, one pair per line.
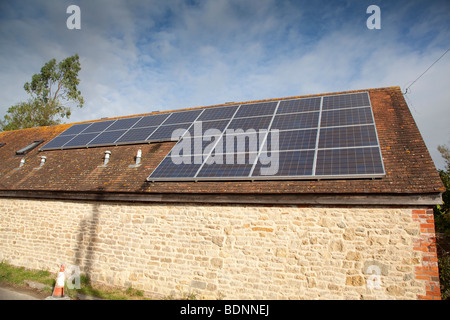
323, 137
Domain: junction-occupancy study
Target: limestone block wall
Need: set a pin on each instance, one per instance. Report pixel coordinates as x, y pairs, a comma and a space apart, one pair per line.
229, 251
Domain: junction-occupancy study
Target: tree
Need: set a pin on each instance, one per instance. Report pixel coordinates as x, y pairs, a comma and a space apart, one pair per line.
51, 90
442, 212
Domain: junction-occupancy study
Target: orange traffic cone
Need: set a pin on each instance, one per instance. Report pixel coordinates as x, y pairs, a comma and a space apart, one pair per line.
58, 291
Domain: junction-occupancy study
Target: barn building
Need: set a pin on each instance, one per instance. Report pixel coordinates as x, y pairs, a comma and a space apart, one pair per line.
325, 196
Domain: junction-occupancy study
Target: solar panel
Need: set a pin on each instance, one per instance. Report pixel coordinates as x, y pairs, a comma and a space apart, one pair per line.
342, 137
296, 121
151, 121
218, 113
75, 129
202, 128
291, 140
320, 137
257, 109
98, 126
174, 167
250, 141
350, 161
285, 164
107, 137
299, 105
346, 117
228, 165
123, 124
182, 117
136, 135
170, 132
81, 140
244, 124
351, 100
58, 142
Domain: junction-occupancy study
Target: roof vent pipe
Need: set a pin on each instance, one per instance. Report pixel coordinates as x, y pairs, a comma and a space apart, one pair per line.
22, 162
107, 154
43, 159
138, 159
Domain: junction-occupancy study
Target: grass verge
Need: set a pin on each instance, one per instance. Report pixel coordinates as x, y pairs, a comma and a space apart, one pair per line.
17, 276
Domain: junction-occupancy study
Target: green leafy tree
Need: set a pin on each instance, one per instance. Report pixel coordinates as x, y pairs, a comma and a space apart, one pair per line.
442, 212
442, 222
51, 91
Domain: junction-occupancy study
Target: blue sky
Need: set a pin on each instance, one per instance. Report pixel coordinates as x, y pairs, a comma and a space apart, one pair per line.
142, 56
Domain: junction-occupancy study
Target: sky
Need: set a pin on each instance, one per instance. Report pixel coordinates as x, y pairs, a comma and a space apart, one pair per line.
143, 56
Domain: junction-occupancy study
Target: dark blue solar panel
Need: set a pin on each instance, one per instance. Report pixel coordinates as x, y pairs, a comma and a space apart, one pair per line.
176, 167
244, 124
75, 129
284, 164
151, 121
98, 126
58, 142
291, 140
240, 143
107, 138
299, 105
228, 165
352, 161
346, 117
81, 140
123, 124
214, 141
195, 145
172, 132
218, 113
136, 135
346, 101
201, 128
182, 117
342, 137
296, 121
256, 109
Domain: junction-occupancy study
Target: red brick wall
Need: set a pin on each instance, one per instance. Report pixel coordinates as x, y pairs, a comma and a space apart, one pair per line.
426, 244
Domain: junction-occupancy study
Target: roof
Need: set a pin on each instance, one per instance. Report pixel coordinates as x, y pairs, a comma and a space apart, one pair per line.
407, 162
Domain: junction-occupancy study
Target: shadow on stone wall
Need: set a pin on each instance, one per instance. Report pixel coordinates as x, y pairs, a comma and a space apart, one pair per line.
87, 238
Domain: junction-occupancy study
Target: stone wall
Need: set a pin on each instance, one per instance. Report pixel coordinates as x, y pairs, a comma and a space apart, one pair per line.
229, 251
